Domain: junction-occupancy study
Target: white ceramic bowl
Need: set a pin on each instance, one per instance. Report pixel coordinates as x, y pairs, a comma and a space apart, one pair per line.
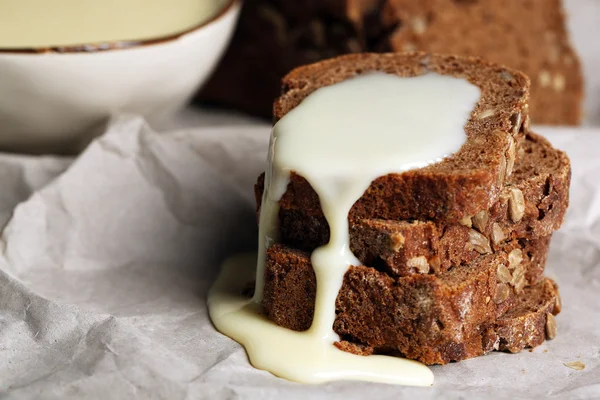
55, 100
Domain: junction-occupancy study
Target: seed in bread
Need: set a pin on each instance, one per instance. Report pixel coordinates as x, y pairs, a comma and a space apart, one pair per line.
433, 319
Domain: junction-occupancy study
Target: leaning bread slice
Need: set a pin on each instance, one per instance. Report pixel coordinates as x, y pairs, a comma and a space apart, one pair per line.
531, 36
431, 318
531, 206
463, 183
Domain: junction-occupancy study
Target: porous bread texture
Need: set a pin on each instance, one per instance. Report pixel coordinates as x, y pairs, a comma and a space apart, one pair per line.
462, 184
541, 179
460, 300
464, 312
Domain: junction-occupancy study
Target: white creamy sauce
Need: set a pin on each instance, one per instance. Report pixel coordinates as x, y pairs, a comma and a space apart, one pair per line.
341, 138
296, 356
44, 23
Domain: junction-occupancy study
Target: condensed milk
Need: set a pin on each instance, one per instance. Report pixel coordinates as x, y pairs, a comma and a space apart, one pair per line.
43, 23
340, 138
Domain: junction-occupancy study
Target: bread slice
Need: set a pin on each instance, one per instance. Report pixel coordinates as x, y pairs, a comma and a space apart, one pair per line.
402, 248
528, 322
462, 184
542, 175
529, 36
275, 36
433, 319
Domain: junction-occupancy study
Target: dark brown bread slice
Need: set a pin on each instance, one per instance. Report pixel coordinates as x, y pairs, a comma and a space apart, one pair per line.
530, 36
542, 175
274, 36
402, 248
463, 183
423, 316
433, 319
528, 322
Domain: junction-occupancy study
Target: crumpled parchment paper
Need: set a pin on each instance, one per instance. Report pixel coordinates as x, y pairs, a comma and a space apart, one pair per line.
106, 260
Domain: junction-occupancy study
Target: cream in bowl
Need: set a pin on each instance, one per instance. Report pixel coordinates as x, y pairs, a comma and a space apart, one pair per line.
61, 77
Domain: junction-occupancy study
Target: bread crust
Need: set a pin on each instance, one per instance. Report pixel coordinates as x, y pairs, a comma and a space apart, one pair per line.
542, 175
462, 184
433, 319
454, 252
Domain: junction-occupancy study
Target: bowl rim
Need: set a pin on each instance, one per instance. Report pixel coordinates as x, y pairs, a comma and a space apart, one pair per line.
122, 44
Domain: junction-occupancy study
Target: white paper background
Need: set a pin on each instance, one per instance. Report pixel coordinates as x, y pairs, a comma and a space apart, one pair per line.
105, 264
104, 272
584, 25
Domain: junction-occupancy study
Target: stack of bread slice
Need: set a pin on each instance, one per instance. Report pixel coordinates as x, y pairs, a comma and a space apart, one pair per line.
453, 254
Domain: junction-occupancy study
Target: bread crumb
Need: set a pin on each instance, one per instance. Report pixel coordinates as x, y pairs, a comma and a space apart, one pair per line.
576, 365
